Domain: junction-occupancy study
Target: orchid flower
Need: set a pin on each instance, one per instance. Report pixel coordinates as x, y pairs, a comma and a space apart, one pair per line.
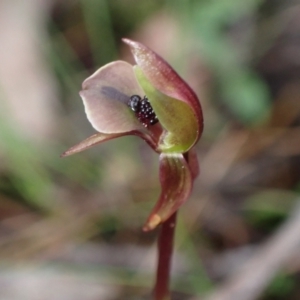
152, 101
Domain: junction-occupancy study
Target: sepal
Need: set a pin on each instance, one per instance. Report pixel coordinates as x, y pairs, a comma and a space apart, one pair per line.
176, 117
176, 185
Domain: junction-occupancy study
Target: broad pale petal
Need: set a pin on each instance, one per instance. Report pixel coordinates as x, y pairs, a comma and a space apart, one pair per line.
175, 116
165, 79
105, 96
176, 183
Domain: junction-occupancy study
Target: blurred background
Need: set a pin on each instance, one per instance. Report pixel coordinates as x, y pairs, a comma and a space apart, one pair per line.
71, 228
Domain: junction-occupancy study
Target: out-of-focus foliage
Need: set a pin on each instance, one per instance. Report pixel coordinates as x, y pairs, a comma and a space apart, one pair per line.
83, 215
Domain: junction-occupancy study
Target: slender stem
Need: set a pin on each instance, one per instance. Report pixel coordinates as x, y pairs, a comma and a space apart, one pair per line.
165, 251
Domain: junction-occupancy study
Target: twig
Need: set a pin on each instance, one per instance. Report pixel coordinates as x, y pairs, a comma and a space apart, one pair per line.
255, 275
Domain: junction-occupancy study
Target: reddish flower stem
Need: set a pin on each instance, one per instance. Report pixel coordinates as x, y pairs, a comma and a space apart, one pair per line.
165, 251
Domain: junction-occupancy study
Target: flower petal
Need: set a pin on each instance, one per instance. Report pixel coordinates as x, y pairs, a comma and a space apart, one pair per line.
102, 137
192, 160
106, 95
176, 182
90, 142
175, 116
165, 79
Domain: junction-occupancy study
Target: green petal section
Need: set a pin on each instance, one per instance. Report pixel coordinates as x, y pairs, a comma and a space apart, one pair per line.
165, 79
176, 117
176, 185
